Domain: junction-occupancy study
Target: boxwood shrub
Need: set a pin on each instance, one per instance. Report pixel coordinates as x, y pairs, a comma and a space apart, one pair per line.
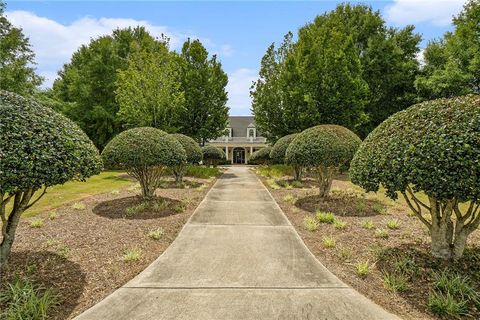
193, 153
323, 149
277, 154
212, 155
434, 148
39, 148
261, 156
144, 153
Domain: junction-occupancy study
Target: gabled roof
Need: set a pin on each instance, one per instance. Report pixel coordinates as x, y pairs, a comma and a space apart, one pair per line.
239, 125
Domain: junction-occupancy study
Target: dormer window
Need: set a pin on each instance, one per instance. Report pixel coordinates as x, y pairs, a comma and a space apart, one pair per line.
251, 131
229, 131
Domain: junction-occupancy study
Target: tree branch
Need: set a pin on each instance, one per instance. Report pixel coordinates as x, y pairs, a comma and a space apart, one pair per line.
36, 200
417, 201
417, 212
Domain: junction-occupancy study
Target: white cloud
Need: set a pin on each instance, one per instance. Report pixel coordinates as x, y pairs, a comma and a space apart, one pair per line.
437, 12
54, 43
239, 83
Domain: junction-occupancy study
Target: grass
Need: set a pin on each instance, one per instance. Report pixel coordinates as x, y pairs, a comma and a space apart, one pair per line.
362, 269
201, 172
275, 171
132, 255
361, 206
156, 234
395, 282
445, 305
290, 199
344, 253
23, 299
139, 208
329, 242
180, 207
53, 215
64, 251
310, 223
72, 191
459, 287
79, 206
368, 224
325, 217
37, 223
339, 224
381, 233
273, 184
379, 208
393, 224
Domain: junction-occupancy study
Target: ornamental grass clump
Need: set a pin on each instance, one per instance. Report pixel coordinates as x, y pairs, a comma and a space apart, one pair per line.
212, 155
434, 148
277, 154
324, 150
39, 148
144, 153
193, 153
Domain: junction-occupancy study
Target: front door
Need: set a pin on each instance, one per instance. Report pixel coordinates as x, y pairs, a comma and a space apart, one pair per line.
238, 156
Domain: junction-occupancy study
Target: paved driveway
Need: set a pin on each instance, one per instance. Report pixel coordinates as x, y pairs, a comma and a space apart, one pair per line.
237, 258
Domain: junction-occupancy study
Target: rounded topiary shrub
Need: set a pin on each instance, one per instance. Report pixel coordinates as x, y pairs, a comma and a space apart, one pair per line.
277, 154
144, 153
261, 156
324, 149
434, 148
212, 155
39, 148
193, 152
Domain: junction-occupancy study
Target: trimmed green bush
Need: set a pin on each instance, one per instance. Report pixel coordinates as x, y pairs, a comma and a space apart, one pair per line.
277, 154
432, 147
39, 148
193, 152
261, 156
144, 153
324, 149
212, 155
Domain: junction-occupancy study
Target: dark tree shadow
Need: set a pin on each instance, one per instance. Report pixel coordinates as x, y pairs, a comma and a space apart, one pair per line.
342, 205
50, 271
136, 208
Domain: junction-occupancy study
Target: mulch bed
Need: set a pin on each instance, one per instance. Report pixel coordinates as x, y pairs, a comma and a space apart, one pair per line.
80, 252
410, 242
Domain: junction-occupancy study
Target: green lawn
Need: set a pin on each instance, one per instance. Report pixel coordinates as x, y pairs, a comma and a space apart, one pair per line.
75, 190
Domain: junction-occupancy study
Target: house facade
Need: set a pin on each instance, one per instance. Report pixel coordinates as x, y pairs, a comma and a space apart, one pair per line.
241, 140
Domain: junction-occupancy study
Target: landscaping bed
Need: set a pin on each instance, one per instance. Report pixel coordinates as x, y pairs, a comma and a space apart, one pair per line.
84, 250
373, 244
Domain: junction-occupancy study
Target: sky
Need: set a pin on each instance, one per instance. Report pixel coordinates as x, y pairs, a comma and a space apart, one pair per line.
238, 32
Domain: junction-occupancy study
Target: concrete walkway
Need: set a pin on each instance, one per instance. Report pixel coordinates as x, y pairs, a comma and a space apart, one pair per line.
237, 258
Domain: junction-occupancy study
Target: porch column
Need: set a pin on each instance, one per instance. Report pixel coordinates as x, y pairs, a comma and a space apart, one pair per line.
226, 152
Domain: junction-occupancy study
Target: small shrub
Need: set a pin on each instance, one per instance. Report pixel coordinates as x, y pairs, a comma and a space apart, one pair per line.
444, 304
393, 224
273, 184
130, 212
64, 251
310, 223
362, 268
159, 205
132, 255
381, 233
368, 224
212, 155
325, 217
395, 282
24, 300
344, 253
53, 215
79, 206
290, 199
329, 242
156, 234
361, 206
459, 287
180, 207
379, 208
36, 223
339, 224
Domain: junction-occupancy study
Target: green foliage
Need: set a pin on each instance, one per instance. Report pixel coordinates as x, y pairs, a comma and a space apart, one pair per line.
192, 149
201, 172
444, 304
149, 92
368, 224
212, 155
277, 154
36, 223
452, 64
329, 242
339, 224
275, 171
203, 82
364, 66
362, 268
156, 234
139, 208
395, 282
133, 254
310, 223
325, 217
381, 233
261, 156
392, 224
24, 300
17, 59
89, 81
144, 153
399, 155
458, 286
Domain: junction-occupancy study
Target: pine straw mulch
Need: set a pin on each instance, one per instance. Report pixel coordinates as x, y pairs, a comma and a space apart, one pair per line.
408, 245
79, 253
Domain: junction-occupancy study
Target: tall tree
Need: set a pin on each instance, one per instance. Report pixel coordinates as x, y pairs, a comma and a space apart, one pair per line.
89, 80
149, 90
16, 59
347, 68
452, 64
203, 81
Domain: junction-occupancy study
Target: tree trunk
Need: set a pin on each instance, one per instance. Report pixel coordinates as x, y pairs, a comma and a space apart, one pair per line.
178, 172
297, 173
325, 178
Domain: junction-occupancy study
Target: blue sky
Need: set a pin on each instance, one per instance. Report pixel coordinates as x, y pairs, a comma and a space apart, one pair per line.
238, 32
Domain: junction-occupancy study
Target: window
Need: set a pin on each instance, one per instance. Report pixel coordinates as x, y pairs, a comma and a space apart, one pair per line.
251, 133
